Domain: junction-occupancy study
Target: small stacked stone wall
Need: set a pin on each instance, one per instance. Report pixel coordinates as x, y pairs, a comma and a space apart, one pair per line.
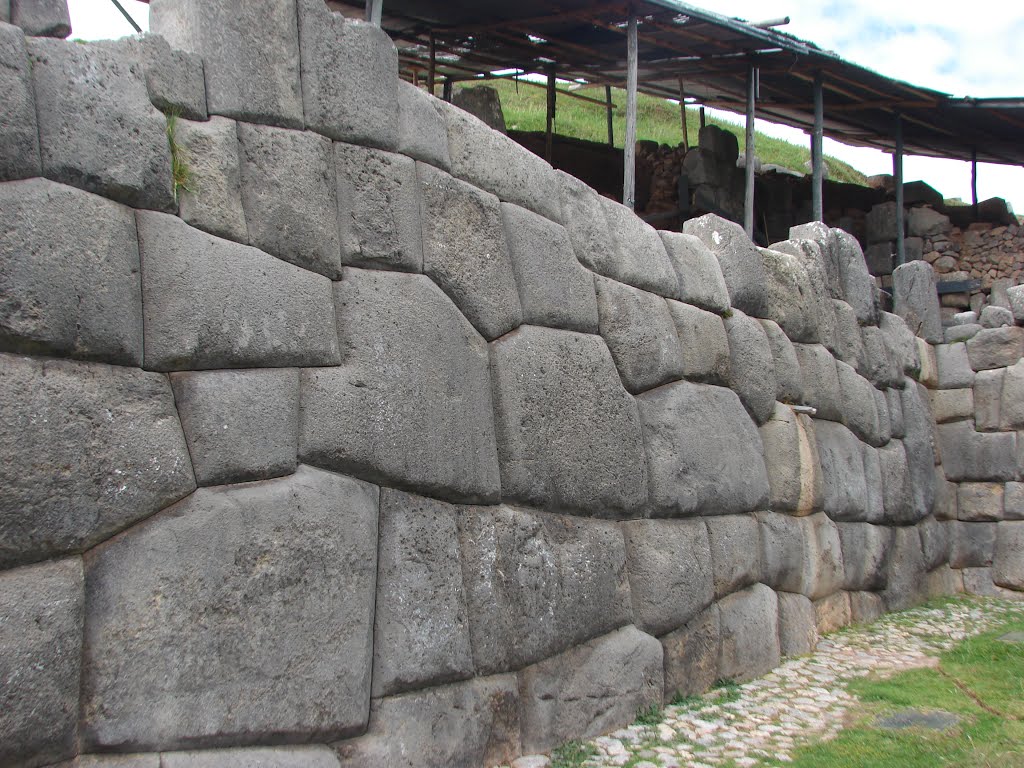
989, 253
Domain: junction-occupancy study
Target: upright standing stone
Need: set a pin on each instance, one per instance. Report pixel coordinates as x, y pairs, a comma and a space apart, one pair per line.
788, 379
19, 133
700, 277
421, 130
703, 342
741, 262
857, 283
919, 442
791, 459
791, 301
751, 366
750, 634
916, 301
815, 258
640, 256
827, 247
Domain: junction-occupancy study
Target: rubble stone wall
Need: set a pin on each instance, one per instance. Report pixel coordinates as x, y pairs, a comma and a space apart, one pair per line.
375, 441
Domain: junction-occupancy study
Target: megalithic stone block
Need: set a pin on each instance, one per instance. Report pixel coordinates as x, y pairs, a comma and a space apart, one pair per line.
422, 134
1008, 562
700, 277
703, 342
865, 555
19, 133
788, 378
821, 235
791, 458
741, 263
857, 284
916, 301
212, 198
751, 365
791, 300
812, 255
42, 18
750, 634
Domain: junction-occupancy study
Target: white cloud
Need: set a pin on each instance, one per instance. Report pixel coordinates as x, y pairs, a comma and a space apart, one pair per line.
100, 20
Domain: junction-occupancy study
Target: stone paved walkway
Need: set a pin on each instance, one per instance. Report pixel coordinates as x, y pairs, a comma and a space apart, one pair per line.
760, 723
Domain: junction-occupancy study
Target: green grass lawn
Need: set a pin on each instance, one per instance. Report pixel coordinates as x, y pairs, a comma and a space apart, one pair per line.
525, 108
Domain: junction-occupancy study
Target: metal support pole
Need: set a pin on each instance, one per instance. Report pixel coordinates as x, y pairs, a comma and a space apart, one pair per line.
629, 147
608, 113
549, 129
432, 68
682, 113
974, 183
817, 176
748, 199
897, 173
373, 11
127, 16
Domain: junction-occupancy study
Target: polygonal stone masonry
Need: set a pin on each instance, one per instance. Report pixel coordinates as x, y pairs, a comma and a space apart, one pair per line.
19, 133
792, 462
211, 199
703, 343
697, 271
690, 655
421, 129
741, 263
751, 365
640, 258
789, 382
749, 634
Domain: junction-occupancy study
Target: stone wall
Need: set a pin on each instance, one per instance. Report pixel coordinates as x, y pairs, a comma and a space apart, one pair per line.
376, 441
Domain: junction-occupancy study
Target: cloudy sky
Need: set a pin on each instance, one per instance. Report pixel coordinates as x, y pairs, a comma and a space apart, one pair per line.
967, 49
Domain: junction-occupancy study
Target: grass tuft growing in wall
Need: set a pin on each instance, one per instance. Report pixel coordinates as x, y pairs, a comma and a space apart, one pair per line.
179, 168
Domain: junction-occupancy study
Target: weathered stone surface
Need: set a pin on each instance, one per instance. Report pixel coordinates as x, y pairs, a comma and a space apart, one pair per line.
789, 384
790, 299
1008, 562
554, 289
995, 317
823, 283
970, 455
1015, 296
250, 55
821, 380
881, 223
252, 757
842, 469
19, 134
112, 437
239, 425
639, 252
896, 496
211, 303
703, 451
691, 655
988, 398
570, 438
865, 607
857, 283
919, 442
944, 581
833, 612
735, 541
174, 79
751, 365
879, 258
960, 333
849, 342
884, 417
69, 278
349, 77
279, 574
923, 221
995, 347
881, 361
41, 618
874, 501
411, 405
700, 277
903, 345
703, 343
915, 299
798, 632
211, 200
537, 584
791, 460
978, 502
97, 127
945, 496
422, 134
978, 581
895, 402
858, 404
750, 634
742, 264
824, 240
495, 163
471, 723
464, 251
378, 209
906, 571
953, 366
935, 542
1011, 408
41, 18
670, 573
640, 334
952, 404
973, 544
865, 555
290, 196
801, 554
421, 622
1013, 501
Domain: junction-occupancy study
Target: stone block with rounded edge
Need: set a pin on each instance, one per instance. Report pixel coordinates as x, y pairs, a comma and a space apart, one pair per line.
919, 442
554, 289
19, 133
874, 501
700, 277
884, 417
421, 130
865, 555
41, 617
915, 299
881, 360
703, 343
903, 345
751, 365
842, 470
211, 200
798, 629
537, 583
349, 77
789, 383
290, 196
410, 406
639, 255
741, 263
960, 333
821, 380
905, 574
495, 163
243, 757
239, 425
935, 542
833, 612
952, 404
111, 453
800, 554
670, 572
1008, 560
69, 278
859, 411
735, 541
41, 18
792, 463
896, 494
590, 690
691, 655
979, 502
825, 240
988, 398
464, 251
791, 301
996, 317
1013, 501
945, 496
470, 723
421, 620
812, 255
750, 634
378, 209
97, 127
995, 347
211, 303
944, 581
704, 453
893, 398
569, 435
970, 455
865, 607
857, 283
250, 54
174, 79
849, 340
280, 575
973, 544
1011, 407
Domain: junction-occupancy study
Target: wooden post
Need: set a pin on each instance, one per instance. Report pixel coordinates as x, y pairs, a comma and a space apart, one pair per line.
702, 122
629, 147
682, 113
608, 112
974, 183
897, 173
549, 129
446, 90
432, 68
748, 199
817, 161
373, 11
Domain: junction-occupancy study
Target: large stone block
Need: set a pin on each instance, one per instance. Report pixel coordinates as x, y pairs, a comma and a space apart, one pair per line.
97, 127
741, 263
952, 404
703, 451
855, 280
1008, 562
41, 616
411, 404
465, 724
211, 303
882, 363
866, 607
791, 301
1013, 501
801, 554
881, 223
280, 576
19, 133
422, 134
789, 383
904, 346
289, 194
349, 77
211, 200
41, 18
670, 572
880, 258
970, 455
464, 251
69, 278
1011, 408
874, 501
87, 450
896, 496
792, 463
421, 621
884, 416
590, 690
703, 343
833, 612
960, 333
751, 365
640, 334
638, 252
174, 78
915, 299
378, 209
988, 398
750, 634
239, 425
865, 555
821, 380
848, 338
691, 655
569, 436
973, 544
945, 496
935, 542
859, 411
979, 502
250, 757
735, 541
905, 575
700, 277
893, 398
250, 54
554, 289
995, 347
537, 584
919, 442
798, 629
818, 262
842, 469
923, 221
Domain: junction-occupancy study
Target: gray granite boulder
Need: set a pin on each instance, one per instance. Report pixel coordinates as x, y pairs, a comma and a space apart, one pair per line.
801, 554
751, 365
750, 634
827, 245
856, 281
1008, 561
798, 631
792, 463
865, 555
789, 382
211, 199
741, 263
41, 18
411, 405
979, 502
995, 347
813, 256
842, 469
691, 655
973, 544
112, 437
421, 130
848, 338
280, 575
860, 412
640, 257
700, 277
243, 757
703, 343
569, 435
916, 301
905, 582
791, 301
970, 455
735, 541
919, 442
19, 133
820, 381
